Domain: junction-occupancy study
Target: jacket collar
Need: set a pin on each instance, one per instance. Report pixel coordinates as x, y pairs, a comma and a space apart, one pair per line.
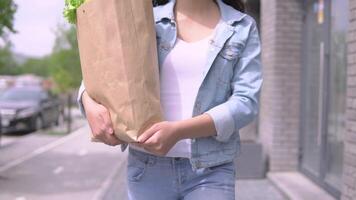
228, 14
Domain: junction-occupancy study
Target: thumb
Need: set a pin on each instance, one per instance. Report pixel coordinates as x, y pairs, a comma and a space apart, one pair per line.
108, 123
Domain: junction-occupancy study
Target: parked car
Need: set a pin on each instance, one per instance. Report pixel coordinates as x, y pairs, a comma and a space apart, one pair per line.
29, 108
5, 82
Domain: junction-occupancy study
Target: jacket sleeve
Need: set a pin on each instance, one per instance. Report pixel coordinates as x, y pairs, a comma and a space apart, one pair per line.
79, 98
242, 106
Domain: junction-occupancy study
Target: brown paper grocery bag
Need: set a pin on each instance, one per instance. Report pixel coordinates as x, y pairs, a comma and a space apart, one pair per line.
118, 53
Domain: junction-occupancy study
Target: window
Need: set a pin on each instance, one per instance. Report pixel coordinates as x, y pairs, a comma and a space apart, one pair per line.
324, 92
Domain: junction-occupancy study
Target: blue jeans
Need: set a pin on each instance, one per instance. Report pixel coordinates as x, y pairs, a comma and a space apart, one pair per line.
151, 177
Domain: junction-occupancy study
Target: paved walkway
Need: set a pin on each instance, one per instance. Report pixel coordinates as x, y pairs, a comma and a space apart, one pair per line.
245, 190
260, 189
73, 168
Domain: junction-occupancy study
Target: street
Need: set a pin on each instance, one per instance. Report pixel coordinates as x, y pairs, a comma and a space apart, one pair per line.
68, 168
51, 167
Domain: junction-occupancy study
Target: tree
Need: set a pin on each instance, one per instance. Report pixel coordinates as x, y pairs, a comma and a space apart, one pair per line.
37, 66
7, 61
64, 65
7, 12
64, 62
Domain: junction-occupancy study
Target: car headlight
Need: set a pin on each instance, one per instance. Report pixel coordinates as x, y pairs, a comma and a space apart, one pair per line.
26, 112
7, 112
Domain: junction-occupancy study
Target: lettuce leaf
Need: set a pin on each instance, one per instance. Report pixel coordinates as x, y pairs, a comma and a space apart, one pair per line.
70, 10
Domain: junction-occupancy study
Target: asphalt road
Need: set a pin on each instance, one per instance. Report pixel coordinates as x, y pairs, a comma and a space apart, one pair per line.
67, 168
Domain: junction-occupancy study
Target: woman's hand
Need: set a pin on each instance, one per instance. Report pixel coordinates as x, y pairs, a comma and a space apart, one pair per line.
99, 121
160, 138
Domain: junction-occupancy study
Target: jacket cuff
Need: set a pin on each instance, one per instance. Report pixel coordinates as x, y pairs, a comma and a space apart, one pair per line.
79, 100
123, 147
223, 121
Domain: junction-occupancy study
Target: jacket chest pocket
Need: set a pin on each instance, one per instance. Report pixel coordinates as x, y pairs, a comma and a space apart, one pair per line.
225, 64
231, 51
227, 59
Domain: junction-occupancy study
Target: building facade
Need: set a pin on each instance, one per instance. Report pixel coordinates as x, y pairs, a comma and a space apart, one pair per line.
307, 121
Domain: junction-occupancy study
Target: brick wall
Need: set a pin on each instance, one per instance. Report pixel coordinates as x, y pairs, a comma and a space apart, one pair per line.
349, 177
281, 26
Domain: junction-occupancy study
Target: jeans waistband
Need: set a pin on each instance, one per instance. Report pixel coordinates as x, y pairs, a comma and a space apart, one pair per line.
148, 156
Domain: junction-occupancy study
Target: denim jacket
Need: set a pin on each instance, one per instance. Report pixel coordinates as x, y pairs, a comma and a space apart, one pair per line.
232, 80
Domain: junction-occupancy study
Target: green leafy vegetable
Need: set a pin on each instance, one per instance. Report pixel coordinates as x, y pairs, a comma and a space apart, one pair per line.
70, 10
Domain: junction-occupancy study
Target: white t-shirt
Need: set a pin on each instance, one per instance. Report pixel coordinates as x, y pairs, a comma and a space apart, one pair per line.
180, 78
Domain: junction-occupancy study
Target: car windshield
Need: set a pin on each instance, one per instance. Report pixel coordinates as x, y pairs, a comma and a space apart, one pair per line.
21, 94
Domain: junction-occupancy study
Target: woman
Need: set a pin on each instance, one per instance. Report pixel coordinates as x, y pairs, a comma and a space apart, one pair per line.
210, 74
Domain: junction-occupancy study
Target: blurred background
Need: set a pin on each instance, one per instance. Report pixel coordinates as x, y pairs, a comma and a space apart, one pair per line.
302, 146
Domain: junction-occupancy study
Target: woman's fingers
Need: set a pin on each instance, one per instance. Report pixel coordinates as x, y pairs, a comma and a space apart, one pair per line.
148, 133
110, 141
100, 122
107, 138
152, 144
106, 135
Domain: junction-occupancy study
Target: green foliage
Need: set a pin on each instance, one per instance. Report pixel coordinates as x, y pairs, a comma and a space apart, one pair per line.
7, 62
64, 62
66, 38
37, 66
70, 10
62, 65
7, 11
65, 70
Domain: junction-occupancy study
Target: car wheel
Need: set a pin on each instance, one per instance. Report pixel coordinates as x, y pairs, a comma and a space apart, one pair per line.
38, 125
60, 119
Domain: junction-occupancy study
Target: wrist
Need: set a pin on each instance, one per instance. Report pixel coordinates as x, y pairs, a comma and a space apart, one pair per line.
178, 130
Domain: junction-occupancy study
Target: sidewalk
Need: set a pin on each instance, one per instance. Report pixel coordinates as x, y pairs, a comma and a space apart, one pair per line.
73, 168
259, 189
